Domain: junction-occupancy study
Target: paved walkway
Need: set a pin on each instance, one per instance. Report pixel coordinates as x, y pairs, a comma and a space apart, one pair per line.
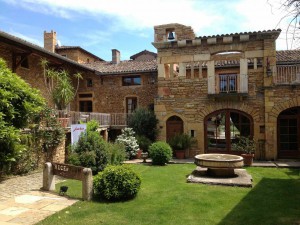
22, 201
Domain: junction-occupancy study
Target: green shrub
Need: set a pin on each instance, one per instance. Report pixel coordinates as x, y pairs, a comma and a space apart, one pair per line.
117, 183
181, 142
144, 123
160, 152
91, 150
143, 143
116, 153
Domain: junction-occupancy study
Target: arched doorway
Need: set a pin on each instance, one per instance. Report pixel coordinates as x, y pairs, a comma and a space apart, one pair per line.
223, 127
288, 131
174, 126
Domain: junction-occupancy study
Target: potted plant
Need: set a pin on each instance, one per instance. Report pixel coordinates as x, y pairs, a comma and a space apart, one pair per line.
179, 143
144, 144
246, 145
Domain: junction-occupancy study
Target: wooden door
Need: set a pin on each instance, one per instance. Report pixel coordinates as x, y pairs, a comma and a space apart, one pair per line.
288, 139
174, 126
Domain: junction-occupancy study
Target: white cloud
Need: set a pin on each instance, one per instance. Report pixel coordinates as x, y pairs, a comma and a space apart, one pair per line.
205, 17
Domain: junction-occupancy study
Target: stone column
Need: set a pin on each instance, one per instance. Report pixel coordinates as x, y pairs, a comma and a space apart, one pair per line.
87, 184
48, 177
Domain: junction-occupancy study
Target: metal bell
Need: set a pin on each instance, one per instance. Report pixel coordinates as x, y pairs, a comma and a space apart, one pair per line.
171, 36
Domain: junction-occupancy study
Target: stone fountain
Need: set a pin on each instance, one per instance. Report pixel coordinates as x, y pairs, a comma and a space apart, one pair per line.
221, 169
221, 165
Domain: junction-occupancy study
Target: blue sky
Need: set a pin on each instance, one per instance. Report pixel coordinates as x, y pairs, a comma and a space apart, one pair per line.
127, 25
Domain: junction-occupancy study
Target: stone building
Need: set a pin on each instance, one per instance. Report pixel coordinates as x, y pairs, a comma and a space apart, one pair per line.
214, 88
217, 88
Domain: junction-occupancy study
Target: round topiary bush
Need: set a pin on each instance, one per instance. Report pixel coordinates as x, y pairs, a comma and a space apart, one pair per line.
160, 152
117, 183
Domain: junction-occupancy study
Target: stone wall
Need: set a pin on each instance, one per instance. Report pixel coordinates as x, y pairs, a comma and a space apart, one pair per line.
109, 95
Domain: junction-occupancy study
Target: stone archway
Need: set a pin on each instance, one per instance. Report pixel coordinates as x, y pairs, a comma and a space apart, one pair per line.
224, 127
272, 150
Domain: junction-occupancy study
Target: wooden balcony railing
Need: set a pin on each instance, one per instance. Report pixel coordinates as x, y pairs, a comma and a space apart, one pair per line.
287, 74
71, 117
104, 119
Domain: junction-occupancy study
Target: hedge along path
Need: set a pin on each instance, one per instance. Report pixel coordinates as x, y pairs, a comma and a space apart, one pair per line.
71, 172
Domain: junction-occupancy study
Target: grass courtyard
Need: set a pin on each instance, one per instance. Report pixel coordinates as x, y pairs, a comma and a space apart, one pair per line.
165, 198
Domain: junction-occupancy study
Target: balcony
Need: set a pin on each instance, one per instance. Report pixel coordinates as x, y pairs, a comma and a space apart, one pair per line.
106, 120
228, 85
287, 75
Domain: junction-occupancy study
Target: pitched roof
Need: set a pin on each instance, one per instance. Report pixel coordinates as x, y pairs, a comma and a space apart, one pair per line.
126, 66
63, 47
145, 52
288, 56
22, 44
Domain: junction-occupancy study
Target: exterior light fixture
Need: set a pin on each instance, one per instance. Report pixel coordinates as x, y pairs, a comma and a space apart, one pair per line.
63, 190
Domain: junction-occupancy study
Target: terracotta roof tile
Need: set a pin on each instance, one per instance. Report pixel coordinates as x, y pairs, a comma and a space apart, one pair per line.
126, 66
145, 52
242, 33
288, 56
65, 47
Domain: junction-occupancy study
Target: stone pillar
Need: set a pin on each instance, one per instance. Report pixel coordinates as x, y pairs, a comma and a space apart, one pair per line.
48, 177
243, 76
211, 85
87, 184
182, 69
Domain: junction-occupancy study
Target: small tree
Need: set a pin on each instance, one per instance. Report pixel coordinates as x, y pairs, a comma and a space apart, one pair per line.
144, 123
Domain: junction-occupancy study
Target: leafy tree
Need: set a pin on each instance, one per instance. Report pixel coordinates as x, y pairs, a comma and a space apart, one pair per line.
19, 103
144, 123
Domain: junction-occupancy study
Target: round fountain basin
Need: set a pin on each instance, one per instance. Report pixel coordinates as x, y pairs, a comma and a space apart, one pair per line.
219, 161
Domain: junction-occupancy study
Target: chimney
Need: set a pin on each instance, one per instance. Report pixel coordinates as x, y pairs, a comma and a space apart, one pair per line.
50, 41
115, 56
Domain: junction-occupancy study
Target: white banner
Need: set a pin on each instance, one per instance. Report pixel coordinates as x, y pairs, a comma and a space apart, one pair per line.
76, 130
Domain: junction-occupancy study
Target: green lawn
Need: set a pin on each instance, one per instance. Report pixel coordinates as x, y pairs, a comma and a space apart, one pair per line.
165, 198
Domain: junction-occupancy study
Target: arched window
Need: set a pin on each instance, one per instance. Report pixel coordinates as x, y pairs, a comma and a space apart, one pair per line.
223, 127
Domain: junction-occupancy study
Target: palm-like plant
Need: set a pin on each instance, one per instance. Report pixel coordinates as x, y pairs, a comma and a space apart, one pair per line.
59, 85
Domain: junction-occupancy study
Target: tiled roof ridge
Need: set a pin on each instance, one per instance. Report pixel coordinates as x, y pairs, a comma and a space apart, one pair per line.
57, 47
240, 33
142, 52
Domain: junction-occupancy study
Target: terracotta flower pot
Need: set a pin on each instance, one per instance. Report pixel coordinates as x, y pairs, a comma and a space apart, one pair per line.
139, 154
179, 154
248, 159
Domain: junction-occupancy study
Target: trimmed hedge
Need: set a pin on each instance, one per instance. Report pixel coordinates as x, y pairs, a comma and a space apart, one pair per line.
160, 152
117, 183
